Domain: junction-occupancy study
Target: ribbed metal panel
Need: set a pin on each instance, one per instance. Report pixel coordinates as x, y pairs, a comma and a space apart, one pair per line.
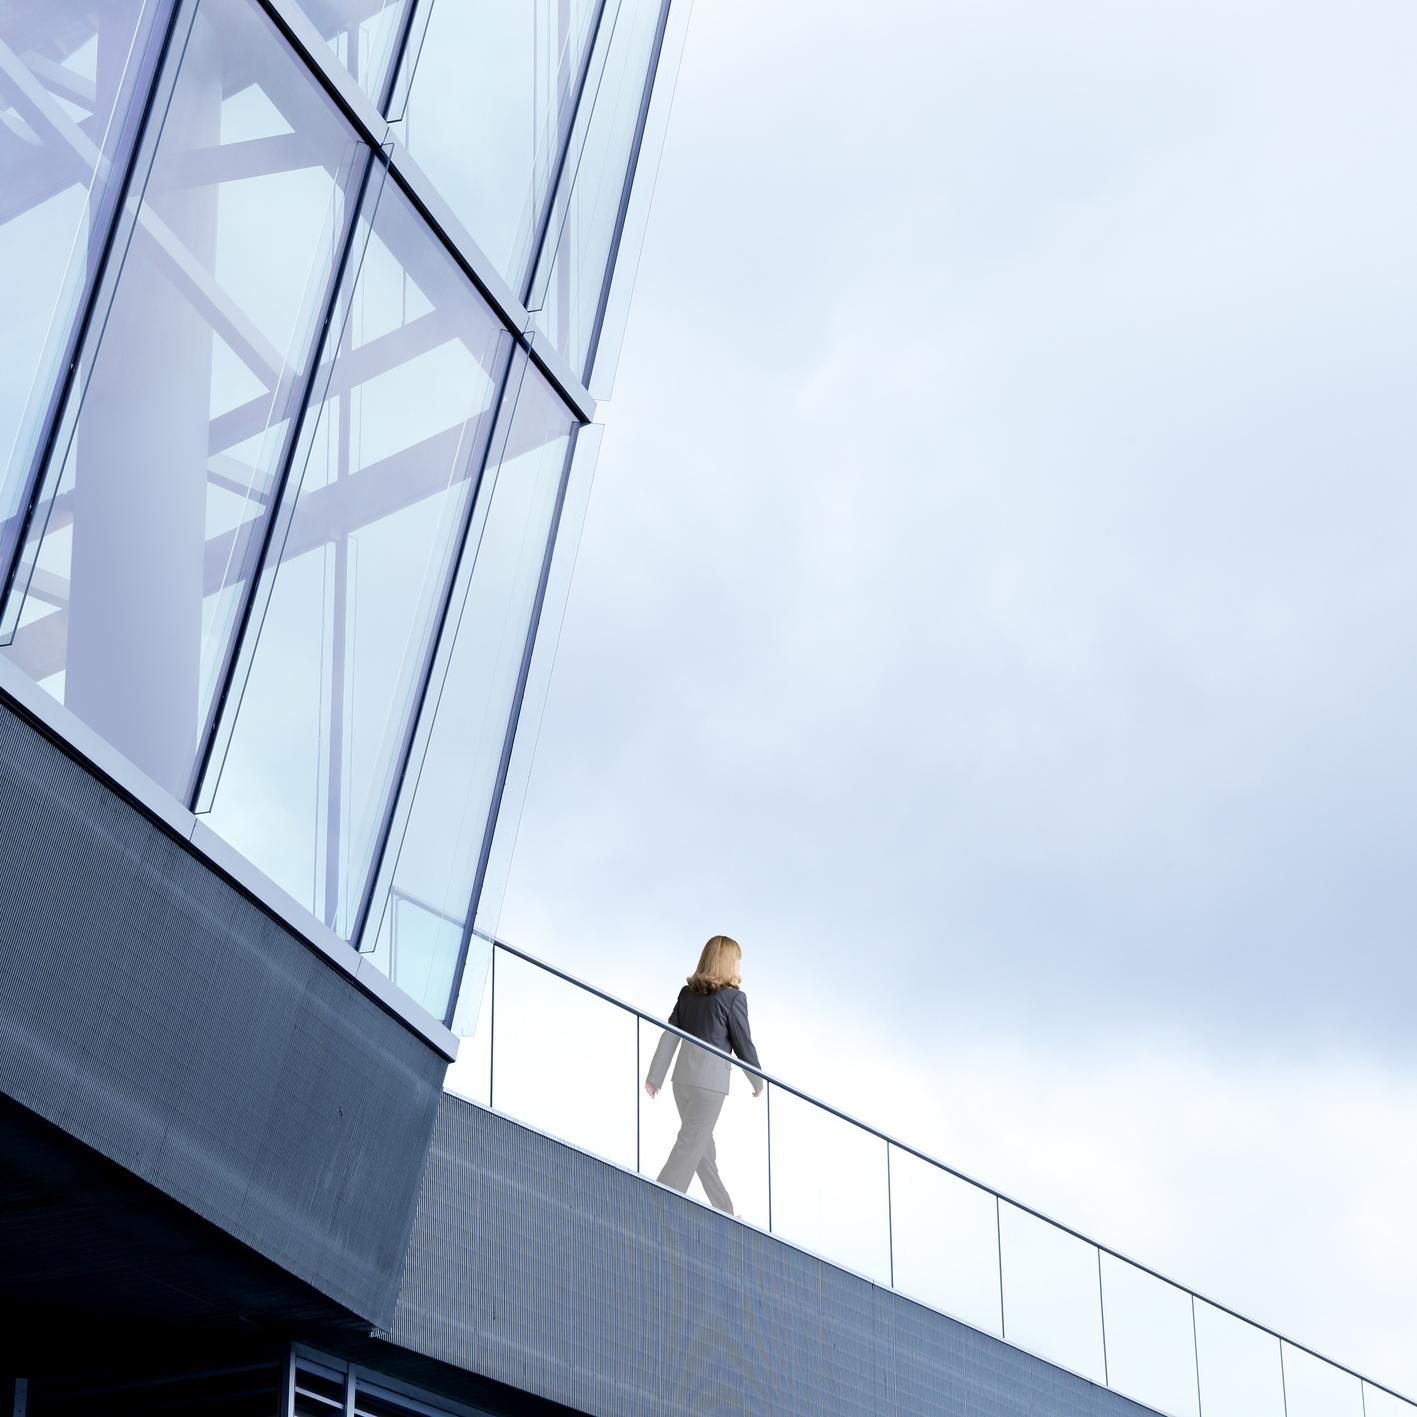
157, 1014
542, 1267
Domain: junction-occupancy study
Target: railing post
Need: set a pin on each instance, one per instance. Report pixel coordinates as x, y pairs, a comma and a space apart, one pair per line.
890, 1217
1102, 1314
1196, 1350
492, 1029
767, 1088
999, 1242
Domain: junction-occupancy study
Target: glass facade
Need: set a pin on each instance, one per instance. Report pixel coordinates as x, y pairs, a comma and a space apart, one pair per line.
489, 112
152, 519
285, 462
572, 285
364, 36
448, 798
360, 577
69, 76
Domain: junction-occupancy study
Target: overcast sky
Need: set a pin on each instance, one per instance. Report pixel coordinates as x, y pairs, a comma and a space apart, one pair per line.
998, 610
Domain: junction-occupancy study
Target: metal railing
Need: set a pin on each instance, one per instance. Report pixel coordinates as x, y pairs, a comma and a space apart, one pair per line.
570, 1060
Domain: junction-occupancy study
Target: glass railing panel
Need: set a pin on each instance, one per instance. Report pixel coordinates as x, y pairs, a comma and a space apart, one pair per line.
724, 1134
829, 1190
945, 1241
1151, 1351
1379, 1403
1315, 1388
563, 1060
846, 1193
470, 1076
417, 945
1052, 1300
1238, 1364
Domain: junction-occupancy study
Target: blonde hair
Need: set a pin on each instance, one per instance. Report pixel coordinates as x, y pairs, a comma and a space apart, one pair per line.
718, 966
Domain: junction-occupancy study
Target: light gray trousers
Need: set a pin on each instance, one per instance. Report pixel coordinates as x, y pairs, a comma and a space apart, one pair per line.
693, 1149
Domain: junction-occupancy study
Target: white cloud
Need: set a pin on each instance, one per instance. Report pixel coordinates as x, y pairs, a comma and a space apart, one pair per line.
998, 606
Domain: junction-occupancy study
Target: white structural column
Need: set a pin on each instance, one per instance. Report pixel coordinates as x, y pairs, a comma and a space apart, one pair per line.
135, 613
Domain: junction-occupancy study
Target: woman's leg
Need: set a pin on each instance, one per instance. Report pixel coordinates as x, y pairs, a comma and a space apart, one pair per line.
712, 1182
698, 1111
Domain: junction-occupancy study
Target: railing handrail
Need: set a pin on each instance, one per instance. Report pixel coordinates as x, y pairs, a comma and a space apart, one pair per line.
939, 1165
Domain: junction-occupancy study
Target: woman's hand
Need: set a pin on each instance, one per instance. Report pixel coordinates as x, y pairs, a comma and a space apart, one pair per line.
651, 1089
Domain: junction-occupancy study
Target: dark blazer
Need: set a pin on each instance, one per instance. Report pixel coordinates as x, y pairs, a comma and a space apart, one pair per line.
721, 1020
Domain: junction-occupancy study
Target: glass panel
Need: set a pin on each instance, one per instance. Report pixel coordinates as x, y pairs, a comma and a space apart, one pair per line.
570, 294
563, 1060
1314, 1388
362, 34
470, 1075
150, 535
489, 109
398, 441
67, 74
1052, 1304
714, 1144
829, 1191
1151, 1351
601, 377
1239, 1366
558, 585
946, 1241
1378, 1403
448, 799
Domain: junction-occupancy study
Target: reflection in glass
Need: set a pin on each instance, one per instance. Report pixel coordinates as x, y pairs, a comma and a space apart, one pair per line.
737, 1155
489, 111
1051, 1298
378, 516
563, 1061
1151, 1353
67, 78
570, 292
362, 34
829, 1190
1239, 1366
1314, 1388
946, 1242
147, 541
446, 799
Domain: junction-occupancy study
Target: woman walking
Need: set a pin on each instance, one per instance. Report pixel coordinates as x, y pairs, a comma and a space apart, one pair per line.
712, 1006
